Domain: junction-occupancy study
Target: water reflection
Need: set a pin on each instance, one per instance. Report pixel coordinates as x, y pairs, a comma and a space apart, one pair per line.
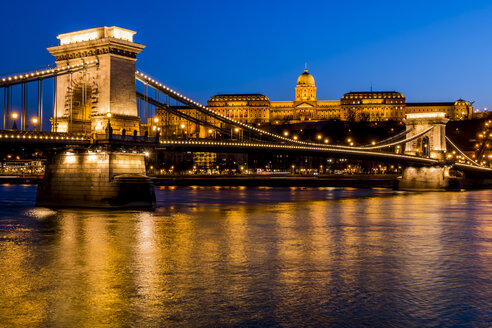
251, 257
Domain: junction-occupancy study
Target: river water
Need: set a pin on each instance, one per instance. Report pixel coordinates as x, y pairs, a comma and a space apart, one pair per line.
250, 257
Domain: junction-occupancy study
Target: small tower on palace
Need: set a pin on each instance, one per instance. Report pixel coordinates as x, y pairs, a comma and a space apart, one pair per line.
85, 98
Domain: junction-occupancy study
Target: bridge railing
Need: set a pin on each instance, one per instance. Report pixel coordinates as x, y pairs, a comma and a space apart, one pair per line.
110, 137
18, 135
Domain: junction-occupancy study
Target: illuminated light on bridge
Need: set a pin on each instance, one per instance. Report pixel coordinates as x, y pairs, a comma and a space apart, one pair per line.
96, 33
33, 76
69, 157
307, 150
426, 115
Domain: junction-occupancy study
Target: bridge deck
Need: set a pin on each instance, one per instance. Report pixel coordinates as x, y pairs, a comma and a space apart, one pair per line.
30, 137
239, 146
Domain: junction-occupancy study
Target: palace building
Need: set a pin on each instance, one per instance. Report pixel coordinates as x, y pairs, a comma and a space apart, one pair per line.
257, 109
353, 106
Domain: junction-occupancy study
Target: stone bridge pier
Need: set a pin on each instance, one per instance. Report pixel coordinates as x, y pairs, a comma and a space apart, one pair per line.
101, 179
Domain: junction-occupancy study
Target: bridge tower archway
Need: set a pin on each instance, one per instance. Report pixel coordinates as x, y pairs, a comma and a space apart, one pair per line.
80, 97
433, 143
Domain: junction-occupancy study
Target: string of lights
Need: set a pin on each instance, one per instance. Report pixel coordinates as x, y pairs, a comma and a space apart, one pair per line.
44, 74
410, 158
461, 153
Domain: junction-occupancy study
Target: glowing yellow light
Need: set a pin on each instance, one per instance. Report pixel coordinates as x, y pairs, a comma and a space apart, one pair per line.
319, 136
326, 140
35, 120
92, 157
14, 116
286, 133
210, 131
108, 114
70, 158
182, 126
236, 129
156, 120
295, 137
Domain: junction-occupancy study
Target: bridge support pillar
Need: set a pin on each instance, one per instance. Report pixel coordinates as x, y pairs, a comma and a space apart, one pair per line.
97, 180
427, 178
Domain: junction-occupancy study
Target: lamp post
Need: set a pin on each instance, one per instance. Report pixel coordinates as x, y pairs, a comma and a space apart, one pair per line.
35, 123
109, 129
238, 131
155, 128
14, 117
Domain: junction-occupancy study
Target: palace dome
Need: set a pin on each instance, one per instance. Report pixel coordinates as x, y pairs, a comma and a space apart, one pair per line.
305, 79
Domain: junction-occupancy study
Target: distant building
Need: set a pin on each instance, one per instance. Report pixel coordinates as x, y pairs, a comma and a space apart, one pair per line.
257, 109
353, 106
247, 108
458, 110
372, 106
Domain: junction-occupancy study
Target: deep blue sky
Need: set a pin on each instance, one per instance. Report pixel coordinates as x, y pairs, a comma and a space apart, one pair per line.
429, 50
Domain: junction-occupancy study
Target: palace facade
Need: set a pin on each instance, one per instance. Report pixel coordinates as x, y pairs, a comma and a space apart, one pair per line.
258, 109
353, 106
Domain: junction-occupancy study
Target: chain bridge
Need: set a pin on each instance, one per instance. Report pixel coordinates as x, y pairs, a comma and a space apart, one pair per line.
101, 123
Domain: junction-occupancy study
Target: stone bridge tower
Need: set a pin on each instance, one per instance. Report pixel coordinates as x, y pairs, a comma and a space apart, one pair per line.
84, 98
100, 177
433, 143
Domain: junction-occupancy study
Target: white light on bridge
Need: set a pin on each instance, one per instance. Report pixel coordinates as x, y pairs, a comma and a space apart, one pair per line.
92, 157
426, 115
95, 34
69, 158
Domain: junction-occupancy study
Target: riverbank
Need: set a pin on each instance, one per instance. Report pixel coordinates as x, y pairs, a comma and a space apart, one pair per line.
336, 180
14, 179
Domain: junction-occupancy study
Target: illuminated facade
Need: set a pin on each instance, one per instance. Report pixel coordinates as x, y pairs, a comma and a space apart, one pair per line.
247, 108
458, 110
372, 106
353, 106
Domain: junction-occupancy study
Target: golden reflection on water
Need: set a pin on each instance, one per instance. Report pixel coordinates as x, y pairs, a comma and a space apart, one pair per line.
18, 278
230, 264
